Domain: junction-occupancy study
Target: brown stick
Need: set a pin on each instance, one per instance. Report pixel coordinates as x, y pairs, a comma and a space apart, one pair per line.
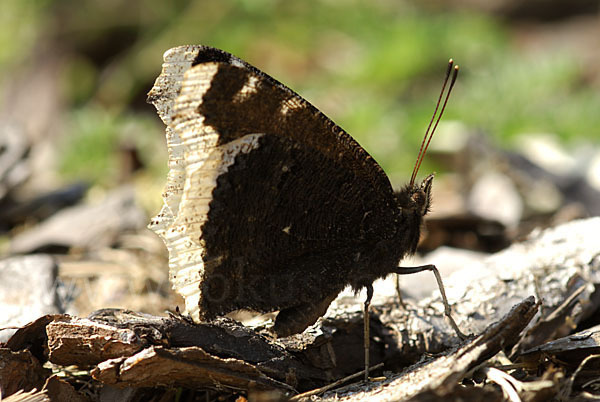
332, 385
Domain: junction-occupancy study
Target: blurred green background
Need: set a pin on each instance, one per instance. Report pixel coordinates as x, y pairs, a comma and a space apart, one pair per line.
75, 73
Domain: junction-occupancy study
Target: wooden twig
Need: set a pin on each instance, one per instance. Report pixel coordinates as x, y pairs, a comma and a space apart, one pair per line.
333, 384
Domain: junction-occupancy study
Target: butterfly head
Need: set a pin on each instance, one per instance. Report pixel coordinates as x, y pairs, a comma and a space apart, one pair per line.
416, 199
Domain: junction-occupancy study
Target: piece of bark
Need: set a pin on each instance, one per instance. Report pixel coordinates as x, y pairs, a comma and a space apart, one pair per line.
112, 333
83, 342
33, 337
576, 358
440, 376
235, 356
569, 350
60, 390
189, 367
94, 342
20, 371
228, 371
553, 325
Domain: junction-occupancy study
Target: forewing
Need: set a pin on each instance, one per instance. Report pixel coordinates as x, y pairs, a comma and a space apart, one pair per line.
262, 189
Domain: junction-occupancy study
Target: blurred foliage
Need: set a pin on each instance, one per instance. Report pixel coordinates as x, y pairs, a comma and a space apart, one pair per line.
20, 26
374, 67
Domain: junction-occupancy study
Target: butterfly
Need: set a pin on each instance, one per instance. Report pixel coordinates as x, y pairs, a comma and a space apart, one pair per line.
269, 205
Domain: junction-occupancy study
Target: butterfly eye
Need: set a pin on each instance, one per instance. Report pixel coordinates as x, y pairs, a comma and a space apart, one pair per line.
421, 199
418, 198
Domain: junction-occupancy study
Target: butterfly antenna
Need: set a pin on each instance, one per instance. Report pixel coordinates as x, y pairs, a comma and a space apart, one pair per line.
429, 135
454, 76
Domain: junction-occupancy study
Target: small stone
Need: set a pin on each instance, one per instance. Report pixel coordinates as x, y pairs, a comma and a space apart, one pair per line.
545, 151
27, 291
494, 196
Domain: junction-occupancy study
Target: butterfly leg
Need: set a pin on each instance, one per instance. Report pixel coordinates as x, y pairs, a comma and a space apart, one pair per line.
366, 332
438, 278
399, 293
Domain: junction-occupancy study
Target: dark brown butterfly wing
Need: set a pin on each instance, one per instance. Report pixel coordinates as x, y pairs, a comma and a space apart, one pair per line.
269, 205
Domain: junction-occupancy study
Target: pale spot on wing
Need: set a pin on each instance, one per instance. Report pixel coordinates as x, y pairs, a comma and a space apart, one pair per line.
236, 62
249, 88
289, 105
195, 163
